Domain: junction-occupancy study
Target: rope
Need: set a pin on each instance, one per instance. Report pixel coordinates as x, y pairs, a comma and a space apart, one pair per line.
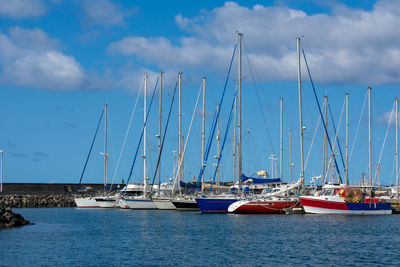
90, 151
187, 138
141, 136
320, 111
259, 99
358, 126
127, 133
384, 140
336, 139
334, 128
212, 131
312, 142
164, 134
223, 142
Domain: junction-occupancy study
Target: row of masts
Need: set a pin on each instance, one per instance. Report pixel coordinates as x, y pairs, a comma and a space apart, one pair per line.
180, 138
238, 105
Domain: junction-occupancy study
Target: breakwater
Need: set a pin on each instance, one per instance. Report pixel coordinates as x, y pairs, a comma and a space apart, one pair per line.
45, 195
37, 201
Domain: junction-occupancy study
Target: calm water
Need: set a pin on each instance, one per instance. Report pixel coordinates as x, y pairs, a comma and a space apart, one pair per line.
101, 237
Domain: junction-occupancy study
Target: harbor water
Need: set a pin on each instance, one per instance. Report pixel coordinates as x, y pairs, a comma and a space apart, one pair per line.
113, 237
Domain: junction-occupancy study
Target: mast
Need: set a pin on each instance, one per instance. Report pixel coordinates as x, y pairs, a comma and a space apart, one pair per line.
281, 142
218, 146
347, 138
144, 136
234, 142
378, 165
291, 164
159, 135
203, 138
300, 110
175, 163
105, 146
397, 146
240, 35
325, 148
369, 136
179, 126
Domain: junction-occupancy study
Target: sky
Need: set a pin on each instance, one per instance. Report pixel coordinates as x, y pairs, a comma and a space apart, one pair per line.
62, 61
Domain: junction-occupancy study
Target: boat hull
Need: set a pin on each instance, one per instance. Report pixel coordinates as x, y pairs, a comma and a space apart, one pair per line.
262, 206
140, 204
319, 205
186, 205
164, 204
215, 205
107, 202
86, 202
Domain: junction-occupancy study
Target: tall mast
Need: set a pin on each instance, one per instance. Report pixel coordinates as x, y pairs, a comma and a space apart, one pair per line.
105, 146
397, 146
369, 136
145, 135
179, 126
300, 110
218, 146
281, 142
325, 148
240, 35
203, 126
347, 138
291, 164
159, 135
234, 142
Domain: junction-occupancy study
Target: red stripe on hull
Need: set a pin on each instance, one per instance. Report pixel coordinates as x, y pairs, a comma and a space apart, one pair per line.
268, 207
323, 204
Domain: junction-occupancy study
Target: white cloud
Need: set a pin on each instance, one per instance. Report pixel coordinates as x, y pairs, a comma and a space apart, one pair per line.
33, 38
21, 8
30, 58
132, 80
103, 12
388, 117
348, 46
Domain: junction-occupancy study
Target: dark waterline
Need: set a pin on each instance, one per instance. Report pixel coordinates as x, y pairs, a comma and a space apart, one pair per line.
111, 237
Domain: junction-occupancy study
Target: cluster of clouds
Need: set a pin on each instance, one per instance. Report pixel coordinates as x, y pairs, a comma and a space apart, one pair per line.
30, 58
347, 45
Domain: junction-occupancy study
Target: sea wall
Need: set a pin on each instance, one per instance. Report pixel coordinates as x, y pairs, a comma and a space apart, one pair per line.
43, 195
49, 188
37, 201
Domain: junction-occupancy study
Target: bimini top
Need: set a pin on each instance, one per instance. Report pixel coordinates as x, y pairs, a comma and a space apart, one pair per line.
260, 180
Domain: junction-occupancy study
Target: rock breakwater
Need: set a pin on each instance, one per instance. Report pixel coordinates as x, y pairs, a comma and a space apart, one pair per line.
37, 201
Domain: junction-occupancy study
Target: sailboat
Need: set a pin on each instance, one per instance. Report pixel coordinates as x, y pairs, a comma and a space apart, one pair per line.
142, 201
162, 199
222, 202
281, 199
276, 201
89, 202
182, 202
345, 199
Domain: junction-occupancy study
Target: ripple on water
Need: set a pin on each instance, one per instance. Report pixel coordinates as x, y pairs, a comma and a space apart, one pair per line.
108, 237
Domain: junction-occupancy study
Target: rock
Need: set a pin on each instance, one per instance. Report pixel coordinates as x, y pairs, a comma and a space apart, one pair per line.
11, 219
8, 216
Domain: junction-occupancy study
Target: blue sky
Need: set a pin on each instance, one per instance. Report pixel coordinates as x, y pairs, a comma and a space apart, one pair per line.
61, 61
